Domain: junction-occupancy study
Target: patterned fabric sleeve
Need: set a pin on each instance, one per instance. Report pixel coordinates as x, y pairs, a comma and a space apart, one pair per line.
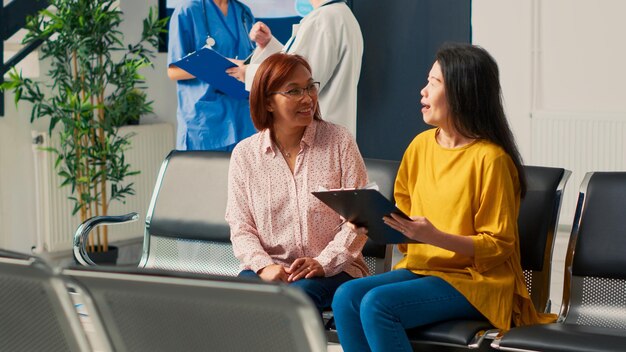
347, 245
243, 231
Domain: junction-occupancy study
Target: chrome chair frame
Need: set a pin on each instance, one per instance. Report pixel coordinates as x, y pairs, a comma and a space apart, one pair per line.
154, 310
217, 256
36, 309
583, 323
538, 280
170, 239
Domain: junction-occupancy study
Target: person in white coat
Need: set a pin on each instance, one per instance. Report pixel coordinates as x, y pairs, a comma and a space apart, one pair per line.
330, 38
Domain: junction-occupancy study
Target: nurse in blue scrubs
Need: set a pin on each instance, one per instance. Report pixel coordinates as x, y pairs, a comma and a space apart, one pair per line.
207, 118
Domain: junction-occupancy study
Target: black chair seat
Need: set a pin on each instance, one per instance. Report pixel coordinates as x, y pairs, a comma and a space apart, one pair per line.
453, 332
564, 337
592, 316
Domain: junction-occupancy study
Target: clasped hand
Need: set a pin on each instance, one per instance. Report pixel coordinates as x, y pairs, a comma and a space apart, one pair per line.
301, 268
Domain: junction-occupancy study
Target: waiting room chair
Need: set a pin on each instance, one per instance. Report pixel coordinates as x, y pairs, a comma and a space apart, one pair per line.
185, 226
538, 222
152, 310
537, 226
383, 172
36, 311
377, 256
593, 312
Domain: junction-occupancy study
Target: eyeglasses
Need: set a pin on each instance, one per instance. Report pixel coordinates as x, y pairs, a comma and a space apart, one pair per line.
298, 93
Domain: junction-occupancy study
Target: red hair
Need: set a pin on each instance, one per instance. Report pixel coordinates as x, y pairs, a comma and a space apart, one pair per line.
271, 75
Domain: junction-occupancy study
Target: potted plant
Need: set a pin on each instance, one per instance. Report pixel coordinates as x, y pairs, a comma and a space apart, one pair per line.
92, 87
130, 108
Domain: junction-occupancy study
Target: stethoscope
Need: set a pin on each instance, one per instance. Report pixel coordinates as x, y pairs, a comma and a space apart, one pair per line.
333, 2
210, 41
293, 39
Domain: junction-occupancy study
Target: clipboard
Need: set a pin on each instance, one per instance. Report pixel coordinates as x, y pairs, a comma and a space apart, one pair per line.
210, 66
366, 207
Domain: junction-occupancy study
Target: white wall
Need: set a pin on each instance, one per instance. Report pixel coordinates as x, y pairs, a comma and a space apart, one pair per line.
563, 73
503, 27
582, 56
579, 51
17, 180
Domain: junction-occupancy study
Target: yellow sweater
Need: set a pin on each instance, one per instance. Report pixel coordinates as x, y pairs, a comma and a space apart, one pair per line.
469, 191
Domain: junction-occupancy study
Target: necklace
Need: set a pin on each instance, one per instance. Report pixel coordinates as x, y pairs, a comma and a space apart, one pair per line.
283, 150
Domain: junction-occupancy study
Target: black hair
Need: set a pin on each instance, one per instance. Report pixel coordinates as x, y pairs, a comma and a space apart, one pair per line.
472, 84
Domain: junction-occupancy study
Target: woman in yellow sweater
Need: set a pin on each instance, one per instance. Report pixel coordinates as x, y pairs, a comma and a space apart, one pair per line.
461, 183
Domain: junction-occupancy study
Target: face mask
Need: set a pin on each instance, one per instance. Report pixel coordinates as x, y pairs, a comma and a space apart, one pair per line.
303, 7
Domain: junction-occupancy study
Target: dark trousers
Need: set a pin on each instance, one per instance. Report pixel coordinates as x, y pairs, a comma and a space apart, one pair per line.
320, 289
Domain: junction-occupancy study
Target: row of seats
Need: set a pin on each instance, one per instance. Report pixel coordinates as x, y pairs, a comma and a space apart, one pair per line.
186, 231
148, 310
185, 226
593, 312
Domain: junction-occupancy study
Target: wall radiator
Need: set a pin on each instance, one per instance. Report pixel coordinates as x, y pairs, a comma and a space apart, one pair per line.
55, 223
580, 143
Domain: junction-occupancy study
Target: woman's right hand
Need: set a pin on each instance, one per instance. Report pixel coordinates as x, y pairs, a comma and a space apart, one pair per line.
273, 272
260, 34
358, 230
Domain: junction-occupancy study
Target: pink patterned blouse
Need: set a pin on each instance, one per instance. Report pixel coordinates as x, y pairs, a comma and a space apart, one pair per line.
274, 218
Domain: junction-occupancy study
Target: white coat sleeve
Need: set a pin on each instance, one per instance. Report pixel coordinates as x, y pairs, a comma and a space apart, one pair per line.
258, 56
319, 47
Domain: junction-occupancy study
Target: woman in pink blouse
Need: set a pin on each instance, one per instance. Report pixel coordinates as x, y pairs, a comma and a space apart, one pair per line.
279, 230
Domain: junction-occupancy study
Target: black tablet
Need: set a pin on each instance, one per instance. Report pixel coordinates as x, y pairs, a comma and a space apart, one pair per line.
366, 208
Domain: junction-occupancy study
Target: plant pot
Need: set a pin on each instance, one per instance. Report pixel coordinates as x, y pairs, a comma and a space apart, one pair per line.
104, 258
133, 121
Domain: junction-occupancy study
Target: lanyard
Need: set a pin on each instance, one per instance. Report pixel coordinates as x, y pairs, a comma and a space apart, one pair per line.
293, 39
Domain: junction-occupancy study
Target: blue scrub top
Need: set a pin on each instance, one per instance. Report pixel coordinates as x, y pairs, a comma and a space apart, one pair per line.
208, 119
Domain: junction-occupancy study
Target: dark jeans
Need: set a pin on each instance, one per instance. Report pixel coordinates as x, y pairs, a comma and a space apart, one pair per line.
320, 289
372, 313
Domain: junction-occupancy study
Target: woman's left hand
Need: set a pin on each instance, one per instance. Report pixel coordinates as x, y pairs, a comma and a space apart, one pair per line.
419, 228
239, 71
304, 268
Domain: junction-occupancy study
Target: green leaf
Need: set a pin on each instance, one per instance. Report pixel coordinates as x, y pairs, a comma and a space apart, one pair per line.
93, 83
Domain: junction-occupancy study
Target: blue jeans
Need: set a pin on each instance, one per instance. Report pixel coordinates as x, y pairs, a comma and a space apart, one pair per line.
320, 289
372, 313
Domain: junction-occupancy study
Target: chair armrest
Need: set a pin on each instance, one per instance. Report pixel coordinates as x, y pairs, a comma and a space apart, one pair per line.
80, 237
490, 334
